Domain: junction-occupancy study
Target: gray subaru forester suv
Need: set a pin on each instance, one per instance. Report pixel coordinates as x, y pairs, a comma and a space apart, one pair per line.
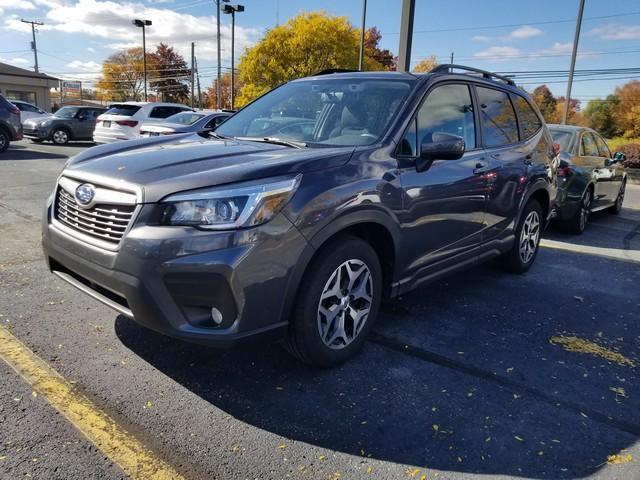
299, 214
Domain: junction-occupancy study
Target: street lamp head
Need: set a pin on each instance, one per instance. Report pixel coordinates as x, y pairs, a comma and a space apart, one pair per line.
141, 23
232, 8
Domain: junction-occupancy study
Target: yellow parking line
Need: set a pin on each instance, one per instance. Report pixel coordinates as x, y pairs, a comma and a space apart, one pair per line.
615, 253
115, 442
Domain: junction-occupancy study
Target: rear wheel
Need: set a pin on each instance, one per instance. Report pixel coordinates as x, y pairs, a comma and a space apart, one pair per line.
525, 247
337, 304
60, 136
4, 140
617, 207
578, 222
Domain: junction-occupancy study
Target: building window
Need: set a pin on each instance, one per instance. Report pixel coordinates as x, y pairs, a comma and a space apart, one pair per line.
29, 97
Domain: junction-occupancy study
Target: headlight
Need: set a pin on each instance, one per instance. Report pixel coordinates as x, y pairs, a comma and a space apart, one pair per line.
45, 123
224, 208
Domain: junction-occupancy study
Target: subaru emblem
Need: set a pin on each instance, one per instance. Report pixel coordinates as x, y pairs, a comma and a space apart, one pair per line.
85, 193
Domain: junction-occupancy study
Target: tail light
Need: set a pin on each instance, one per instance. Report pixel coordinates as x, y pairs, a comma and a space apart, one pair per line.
127, 123
565, 171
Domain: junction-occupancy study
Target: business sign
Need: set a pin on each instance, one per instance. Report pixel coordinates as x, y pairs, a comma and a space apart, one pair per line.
72, 86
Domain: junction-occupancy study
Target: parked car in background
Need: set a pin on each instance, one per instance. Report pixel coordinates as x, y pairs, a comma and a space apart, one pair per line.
123, 120
184, 122
29, 111
589, 177
10, 125
68, 123
403, 179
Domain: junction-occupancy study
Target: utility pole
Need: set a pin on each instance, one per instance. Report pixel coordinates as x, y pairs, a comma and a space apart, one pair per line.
34, 46
218, 88
198, 81
364, 19
406, 35
451, 58
576, 38
193, 72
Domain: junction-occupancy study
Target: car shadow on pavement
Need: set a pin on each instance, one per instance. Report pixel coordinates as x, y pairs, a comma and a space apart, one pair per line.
23, 153
472, 374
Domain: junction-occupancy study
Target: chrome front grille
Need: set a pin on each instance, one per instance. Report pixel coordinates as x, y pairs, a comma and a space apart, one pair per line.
104, 222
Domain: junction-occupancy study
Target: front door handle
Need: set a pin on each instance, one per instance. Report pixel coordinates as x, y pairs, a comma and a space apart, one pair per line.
481, 167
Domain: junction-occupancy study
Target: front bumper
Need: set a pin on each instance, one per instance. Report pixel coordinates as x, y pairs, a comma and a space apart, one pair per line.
36, 133
169, 278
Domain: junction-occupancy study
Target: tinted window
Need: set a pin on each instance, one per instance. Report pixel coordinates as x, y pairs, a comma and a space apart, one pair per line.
562, 138
447, 109
589, 147
603, 150
185, 118
25, 107
164, 112
529, 121
126, 110
67, 112
499, 125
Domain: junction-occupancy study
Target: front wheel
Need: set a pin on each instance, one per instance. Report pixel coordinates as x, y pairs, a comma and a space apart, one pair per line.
60, 137
4, 140
337, 304
525, 247
617, 207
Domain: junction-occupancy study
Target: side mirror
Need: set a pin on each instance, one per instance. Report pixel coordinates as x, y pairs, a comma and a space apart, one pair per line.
443, 146
619, 157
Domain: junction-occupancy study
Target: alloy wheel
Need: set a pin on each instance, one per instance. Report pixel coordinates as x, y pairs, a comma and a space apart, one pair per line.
585, 209
620, 199
345, 304
529, 237
60, 136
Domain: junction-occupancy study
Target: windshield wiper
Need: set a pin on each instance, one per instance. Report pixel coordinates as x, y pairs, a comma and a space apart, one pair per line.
274, 141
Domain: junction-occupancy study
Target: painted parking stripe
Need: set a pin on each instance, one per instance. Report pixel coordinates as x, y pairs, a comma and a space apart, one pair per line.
615, 253
115, 442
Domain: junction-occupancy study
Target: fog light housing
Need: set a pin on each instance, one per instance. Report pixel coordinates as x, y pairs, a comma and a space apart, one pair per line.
216, 316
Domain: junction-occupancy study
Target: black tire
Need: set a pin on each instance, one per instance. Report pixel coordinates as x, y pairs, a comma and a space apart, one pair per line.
304, 339
578, 222
36, 140
616, 208
513, 260
5, 139
60, 136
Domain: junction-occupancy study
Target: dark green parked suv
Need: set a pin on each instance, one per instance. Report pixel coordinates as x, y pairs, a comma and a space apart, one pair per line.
589, 177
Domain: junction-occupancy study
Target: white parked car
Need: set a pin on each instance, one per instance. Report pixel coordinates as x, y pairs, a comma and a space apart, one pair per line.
122, 121
29, 111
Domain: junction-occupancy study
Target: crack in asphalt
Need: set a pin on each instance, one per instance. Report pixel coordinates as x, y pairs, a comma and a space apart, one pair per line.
554, 400
19, 213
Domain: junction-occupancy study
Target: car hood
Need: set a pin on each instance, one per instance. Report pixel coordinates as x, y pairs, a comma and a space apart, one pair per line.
160, 166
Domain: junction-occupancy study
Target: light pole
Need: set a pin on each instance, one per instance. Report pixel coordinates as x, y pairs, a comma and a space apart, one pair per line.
232, 9
143, 24
218, 89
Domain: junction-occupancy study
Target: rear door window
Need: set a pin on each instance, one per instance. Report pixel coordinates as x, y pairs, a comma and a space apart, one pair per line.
589, 147
125, 110
499, 124
164, 112
529, 121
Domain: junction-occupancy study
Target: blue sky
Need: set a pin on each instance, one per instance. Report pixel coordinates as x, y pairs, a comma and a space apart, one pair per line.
496, 35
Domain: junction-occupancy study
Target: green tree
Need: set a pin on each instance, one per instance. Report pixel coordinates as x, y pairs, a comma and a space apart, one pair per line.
426, 64
170, 76
546, 103
600, 115
306, 44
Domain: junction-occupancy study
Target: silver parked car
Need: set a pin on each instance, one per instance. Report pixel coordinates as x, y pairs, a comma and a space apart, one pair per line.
184, 122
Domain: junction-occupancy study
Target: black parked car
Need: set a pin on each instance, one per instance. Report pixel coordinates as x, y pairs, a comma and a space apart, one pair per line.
68, 123
10, 126
402, 179
589, 177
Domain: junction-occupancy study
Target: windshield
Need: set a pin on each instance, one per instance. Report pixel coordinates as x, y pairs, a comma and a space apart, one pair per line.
563, 138
66, 112
318, 112
185, 118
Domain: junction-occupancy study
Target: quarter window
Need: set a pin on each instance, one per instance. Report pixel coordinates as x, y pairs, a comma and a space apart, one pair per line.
589, 147
447, 109
529, 121
499, 125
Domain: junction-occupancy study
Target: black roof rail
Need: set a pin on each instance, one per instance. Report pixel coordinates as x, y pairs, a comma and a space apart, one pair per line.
449, 67
329, 71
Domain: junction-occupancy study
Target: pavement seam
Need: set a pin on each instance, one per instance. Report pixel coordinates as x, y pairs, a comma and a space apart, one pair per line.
512, 385
133, 457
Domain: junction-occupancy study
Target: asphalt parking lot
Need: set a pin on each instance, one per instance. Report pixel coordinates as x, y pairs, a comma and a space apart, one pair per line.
484, 375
